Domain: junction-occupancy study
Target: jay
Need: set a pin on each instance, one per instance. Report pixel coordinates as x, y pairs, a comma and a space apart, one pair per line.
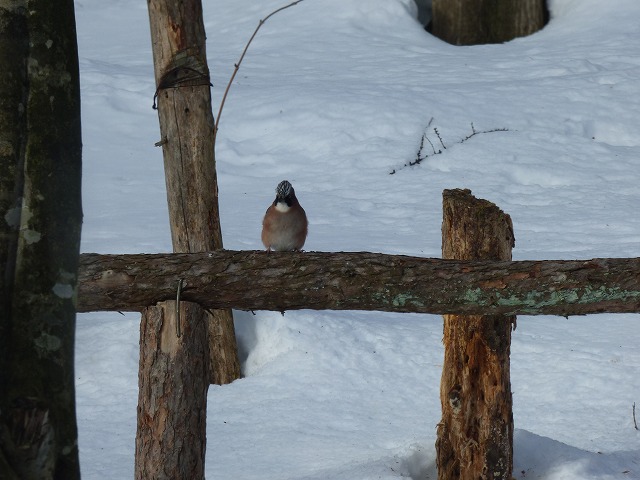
284, 227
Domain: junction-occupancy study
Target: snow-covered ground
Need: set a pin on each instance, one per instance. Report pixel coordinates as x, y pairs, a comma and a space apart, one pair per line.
334, 95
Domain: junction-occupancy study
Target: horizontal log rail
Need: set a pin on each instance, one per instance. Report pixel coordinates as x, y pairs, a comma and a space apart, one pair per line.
279, 281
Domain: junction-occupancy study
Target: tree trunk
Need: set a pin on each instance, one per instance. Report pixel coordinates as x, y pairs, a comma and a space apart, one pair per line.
171, 440
14, 51
473, 22
172, 402
40, 155
186, 125
252, 280
475, 435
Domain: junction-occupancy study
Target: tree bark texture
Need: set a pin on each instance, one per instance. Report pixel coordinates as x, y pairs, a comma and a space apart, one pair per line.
14, 51
475, 435
41, 159
252, 280
171, 390
171, 437
186, 126
473, 22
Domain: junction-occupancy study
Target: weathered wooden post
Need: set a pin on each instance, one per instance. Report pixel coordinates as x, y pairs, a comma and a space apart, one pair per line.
175, 352
186, 125
475, 435
172, 402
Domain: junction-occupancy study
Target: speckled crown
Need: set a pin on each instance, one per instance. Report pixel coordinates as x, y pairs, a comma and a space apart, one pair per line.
284, 189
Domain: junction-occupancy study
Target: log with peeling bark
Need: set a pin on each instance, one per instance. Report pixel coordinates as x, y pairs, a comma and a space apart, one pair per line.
186, 125
252, 280
475, 434
176, 362
172, 407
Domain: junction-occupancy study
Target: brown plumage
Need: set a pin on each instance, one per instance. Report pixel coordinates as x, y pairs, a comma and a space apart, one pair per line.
284, 227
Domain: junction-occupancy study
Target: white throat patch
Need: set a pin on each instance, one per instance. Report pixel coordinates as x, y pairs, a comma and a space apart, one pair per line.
282, 207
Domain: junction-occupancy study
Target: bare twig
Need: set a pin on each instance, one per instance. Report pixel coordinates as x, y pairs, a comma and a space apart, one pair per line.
432, 147
635, 424
435, 129
420, 155
419, 152
475, 132
237, 66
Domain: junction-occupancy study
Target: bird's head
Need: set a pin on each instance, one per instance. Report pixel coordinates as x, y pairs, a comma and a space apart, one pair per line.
284, 194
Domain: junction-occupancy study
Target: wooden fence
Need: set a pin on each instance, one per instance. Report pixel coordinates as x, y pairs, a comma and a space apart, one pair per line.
483, 286
187, 337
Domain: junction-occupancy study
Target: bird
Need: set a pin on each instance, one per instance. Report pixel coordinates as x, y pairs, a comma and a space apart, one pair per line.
284, 227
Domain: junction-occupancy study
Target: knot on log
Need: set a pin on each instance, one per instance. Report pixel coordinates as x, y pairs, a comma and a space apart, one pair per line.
455, 399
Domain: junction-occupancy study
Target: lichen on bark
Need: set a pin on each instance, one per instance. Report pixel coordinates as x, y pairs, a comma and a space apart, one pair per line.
40, 201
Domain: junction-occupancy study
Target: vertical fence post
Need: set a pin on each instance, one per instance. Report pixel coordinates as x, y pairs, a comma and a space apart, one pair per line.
175, 365
172, 402
475, 435
186, 124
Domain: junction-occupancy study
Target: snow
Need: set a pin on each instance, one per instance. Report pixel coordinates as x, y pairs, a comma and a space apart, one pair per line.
334, 95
